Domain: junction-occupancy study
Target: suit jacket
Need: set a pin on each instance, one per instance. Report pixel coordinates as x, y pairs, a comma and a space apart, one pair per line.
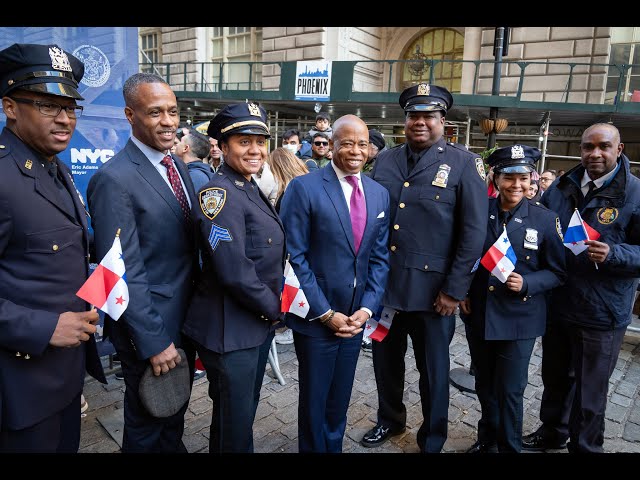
158, 245
498, 313
44, 260
437, 231
316, 218
238, 293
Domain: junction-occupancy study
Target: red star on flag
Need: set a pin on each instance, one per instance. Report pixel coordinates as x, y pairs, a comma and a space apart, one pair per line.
301, 304
120, 301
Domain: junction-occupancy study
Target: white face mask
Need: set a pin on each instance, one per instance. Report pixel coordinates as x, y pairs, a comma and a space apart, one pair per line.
291, 148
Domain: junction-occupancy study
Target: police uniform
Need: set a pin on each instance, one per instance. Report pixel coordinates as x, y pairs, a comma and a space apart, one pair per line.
44, 248
438, 222
238, 294
503, 325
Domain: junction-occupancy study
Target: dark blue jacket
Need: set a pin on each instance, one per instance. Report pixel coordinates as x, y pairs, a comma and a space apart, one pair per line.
498, 313
601, 298
436, 233
200, 174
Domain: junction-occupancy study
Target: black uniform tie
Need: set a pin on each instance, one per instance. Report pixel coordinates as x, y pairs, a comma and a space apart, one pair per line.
411, 161
65, 195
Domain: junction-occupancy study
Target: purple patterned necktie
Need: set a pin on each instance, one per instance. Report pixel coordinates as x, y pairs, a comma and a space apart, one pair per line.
358, 211
176, 186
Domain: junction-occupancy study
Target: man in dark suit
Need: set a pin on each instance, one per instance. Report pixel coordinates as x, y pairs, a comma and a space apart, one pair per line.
337, 224
46, 331
147, 194
439, 221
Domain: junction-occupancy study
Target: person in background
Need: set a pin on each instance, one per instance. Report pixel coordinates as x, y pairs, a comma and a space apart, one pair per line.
376, 145
236, 307
589, 314
301, 149
503, 319
532, 193
323, 125
47, 339
215, 158
320, 151
192, 149
267, 183
438, 224
546, 179
147, 194
337, 224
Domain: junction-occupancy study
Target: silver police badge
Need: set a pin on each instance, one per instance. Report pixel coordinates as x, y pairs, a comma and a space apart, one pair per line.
442, 176
480, 169
531, 239
254, 110
517, 152
211, 201
559, 229
59, 59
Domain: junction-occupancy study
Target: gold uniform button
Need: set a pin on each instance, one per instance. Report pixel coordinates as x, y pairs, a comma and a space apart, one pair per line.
55, 248
396, 227
406, 184
492, 288
426, 267
437, 197
524, 299
402, 205
2, 147
527, 257
393, 248
269, 241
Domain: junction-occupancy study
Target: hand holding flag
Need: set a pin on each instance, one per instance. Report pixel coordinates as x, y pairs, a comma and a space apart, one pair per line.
500, 259
577, 232
293, 299
378, 326
106, 288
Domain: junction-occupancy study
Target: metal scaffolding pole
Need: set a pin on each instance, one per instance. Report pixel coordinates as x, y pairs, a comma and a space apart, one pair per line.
545, 137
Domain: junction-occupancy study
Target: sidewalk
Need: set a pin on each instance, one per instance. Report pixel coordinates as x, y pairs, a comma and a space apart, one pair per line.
276, 428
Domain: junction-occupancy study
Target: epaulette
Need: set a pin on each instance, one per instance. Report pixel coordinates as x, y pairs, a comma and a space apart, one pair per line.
4, 150
537, 204
460, 146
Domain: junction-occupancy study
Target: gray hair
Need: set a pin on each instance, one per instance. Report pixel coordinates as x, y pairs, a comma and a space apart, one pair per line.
130, 88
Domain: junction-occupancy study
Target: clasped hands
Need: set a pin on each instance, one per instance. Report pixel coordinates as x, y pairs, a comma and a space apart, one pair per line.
348, 327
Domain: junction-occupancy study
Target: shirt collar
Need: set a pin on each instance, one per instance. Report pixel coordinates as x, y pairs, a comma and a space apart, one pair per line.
599, 182
342, 174
154, 156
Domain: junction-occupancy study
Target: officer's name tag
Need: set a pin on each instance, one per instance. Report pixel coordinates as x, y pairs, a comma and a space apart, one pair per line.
442, 176
531, 239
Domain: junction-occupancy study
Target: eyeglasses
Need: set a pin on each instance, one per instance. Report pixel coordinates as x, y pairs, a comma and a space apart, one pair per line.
317, 144
50, 109
546, 179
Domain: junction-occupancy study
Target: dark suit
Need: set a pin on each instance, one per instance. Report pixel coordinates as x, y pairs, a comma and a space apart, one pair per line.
503, 325
236, 300
44, 250
435, 239
333, 276
159, 252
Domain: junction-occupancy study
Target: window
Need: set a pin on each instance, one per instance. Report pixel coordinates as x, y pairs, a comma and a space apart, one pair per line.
438, 44
150, 50
237, 44
625, 49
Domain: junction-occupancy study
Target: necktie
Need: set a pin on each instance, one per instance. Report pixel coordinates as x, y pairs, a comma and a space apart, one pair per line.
65, 196
178, 191
411, 161
358, 211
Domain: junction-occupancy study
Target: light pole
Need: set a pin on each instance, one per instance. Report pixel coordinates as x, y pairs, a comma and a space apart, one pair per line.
500, 48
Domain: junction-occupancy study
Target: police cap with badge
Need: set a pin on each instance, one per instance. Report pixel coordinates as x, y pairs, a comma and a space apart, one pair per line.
239, 118
426, 98
514, 159
40, 68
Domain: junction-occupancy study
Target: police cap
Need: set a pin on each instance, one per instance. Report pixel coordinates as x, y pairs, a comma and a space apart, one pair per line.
376, 138
41, 68
425, 98
514, 159
239, 118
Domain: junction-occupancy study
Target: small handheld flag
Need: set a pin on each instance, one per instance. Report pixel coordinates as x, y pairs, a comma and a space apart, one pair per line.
577, 232
500, 259
378, 326
106, 288
293, 299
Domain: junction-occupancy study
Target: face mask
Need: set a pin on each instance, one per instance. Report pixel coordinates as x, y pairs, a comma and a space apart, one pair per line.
291, 148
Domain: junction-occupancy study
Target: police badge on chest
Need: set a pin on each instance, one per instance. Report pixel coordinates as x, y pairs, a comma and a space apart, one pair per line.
531, 239
442, 176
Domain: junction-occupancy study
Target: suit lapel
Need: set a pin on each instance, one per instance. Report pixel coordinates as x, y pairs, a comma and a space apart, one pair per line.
372, 212
78, 202
401, 160
336, 195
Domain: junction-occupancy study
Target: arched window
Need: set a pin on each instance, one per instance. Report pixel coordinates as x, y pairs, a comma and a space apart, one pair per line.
437, 44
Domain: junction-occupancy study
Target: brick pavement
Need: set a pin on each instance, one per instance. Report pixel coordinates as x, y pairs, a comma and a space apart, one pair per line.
275, 427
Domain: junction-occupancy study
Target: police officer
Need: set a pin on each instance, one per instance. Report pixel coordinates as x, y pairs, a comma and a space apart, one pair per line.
233, 313
502, 320
438, 224
46, 331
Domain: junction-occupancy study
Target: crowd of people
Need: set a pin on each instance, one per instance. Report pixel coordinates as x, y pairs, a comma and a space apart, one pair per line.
208, 224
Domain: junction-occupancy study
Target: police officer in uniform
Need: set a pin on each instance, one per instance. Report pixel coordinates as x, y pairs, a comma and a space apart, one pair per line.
236, 306
502, 320
438, 223
46, 331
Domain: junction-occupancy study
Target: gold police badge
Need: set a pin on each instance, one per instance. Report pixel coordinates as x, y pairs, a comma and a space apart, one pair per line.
254, 110
607, 215
442, 176
558, 228
424, 89
211, 201
480, 168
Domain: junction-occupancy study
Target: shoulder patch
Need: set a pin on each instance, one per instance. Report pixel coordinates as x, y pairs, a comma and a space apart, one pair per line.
480, 168
211, 201
559, 229
218, 234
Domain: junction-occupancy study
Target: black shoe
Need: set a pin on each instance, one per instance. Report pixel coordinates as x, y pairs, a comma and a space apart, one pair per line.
198, 374
536, 442
119, 375
366, 346
378, 435
480, 447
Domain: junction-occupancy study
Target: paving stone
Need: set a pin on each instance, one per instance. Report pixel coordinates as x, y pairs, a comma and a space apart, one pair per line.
620, 400
615, 413
626, 388
272, 442
265, 426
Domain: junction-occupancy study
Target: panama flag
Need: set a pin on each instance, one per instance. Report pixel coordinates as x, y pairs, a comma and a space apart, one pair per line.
577, 232
378, 326
293, 298
500, 259
106, 288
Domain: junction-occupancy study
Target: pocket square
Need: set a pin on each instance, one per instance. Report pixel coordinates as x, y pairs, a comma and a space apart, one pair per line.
380, 215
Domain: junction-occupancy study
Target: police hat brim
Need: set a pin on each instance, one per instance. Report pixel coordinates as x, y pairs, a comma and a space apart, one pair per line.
248, 130
424, 107
513, 168
51, 88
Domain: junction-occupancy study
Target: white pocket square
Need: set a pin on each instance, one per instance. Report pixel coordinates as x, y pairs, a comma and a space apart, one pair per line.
380, 215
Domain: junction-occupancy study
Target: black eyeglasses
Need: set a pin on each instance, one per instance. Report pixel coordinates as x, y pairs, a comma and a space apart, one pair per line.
317, 144
50, 109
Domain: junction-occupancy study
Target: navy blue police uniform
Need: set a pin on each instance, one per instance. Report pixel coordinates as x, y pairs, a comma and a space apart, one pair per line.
44, 260
238, 294
503, 325
438, 213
